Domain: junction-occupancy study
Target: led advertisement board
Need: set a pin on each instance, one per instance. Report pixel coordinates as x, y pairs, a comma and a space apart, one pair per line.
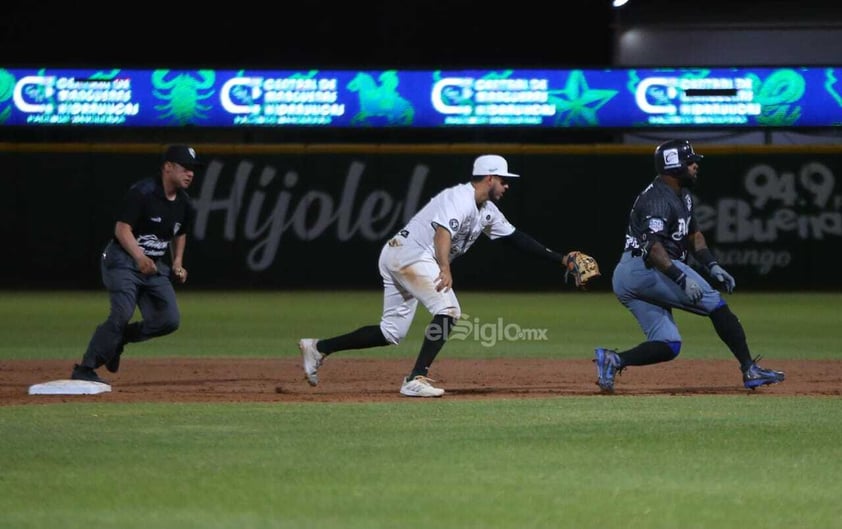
430, 99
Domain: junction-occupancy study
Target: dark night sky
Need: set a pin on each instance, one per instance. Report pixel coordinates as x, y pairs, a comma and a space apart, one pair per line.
317, 34
380, 34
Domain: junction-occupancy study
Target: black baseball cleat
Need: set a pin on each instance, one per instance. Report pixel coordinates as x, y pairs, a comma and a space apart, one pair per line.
81, 372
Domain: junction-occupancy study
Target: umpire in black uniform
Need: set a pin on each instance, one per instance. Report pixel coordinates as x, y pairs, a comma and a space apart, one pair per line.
140, 261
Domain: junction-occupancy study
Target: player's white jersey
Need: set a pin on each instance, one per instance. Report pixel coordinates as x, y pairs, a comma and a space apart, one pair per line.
454, 208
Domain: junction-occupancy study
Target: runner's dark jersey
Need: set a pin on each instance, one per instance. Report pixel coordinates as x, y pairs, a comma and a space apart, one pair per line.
660, 214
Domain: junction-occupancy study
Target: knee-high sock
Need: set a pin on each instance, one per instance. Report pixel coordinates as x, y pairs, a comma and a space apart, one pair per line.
731, 331
362, 338
434, 337
647, 353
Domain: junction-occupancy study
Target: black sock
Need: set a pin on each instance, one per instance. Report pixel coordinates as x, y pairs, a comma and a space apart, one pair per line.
730, 331
647, 353
362, 338
434, 337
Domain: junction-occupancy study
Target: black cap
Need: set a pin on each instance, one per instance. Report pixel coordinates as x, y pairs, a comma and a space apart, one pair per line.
183, 155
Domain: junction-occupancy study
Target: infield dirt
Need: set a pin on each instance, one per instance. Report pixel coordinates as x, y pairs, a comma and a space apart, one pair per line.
351, 379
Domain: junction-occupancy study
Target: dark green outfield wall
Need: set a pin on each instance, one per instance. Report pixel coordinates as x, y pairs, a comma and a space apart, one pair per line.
315, 216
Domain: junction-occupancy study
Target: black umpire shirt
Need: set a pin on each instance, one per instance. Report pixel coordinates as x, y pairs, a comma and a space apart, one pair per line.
155, 221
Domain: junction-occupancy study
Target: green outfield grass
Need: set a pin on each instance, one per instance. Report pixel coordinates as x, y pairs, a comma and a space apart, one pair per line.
686, 462
58, 325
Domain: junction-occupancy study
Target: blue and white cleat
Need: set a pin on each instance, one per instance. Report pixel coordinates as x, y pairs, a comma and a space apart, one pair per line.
608, 364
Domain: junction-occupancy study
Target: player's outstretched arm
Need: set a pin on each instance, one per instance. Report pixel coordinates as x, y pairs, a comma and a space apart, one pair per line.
527, 244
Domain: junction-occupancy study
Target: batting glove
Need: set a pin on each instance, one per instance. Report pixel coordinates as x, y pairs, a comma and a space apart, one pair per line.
719, 273
691, 288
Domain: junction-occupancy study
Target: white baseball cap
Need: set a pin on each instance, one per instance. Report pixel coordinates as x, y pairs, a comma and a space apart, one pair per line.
492, 164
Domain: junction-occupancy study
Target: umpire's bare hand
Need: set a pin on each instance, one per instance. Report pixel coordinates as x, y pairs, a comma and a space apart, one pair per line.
146, 265
180, 274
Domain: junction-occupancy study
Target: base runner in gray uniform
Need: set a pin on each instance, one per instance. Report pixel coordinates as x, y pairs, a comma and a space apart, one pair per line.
151, 229
653, 277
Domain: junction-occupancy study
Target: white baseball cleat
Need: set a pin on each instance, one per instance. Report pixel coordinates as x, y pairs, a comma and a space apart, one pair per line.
420, 386
311, 359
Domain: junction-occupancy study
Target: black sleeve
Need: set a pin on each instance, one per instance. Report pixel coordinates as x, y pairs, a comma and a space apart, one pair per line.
527, 244
189, 215
132, 207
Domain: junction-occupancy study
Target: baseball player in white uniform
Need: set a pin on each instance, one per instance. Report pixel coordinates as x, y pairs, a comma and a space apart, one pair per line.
415, 266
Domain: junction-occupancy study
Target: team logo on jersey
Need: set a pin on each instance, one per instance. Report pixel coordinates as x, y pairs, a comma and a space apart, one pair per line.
454, 224
689, 201
656, 225
176, 227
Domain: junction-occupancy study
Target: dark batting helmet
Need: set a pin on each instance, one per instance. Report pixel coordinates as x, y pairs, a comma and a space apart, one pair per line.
672, 157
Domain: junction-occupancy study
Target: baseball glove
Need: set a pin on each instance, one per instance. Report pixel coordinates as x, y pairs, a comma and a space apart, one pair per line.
581, 267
